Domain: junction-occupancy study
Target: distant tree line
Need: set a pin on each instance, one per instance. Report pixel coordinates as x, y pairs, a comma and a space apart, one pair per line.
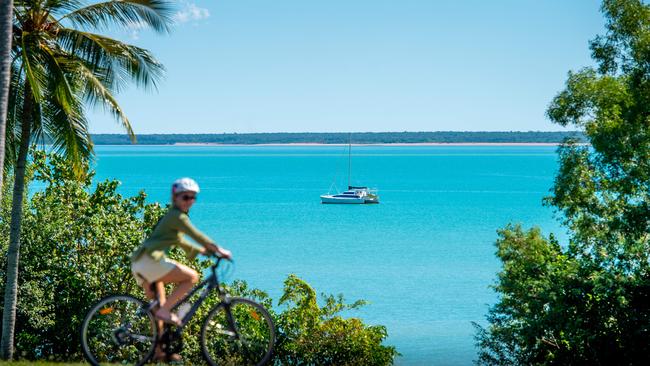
343, 137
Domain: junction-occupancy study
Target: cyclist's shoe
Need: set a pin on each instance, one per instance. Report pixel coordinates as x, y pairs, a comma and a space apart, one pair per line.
174, 357
167, 317
161, 356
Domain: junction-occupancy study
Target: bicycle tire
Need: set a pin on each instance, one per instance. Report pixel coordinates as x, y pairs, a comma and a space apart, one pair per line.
256, 330
108, 323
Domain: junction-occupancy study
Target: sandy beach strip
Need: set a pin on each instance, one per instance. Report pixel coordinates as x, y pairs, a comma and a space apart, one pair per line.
378, 144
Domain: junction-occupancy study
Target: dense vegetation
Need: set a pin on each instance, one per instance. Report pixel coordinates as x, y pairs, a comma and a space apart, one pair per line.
342, 138
77, 240
587, 302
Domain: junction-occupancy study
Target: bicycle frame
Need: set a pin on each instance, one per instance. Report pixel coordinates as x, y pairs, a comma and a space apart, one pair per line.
225, 325
207, 285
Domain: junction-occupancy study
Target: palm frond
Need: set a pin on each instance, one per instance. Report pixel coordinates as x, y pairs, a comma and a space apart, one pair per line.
31, 59
59, 119
156, 14
59, 85
68, 133
121, 62
96, 92
14, 116
31, 4
58, 6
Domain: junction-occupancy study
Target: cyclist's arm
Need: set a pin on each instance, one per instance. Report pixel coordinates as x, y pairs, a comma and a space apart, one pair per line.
185, 226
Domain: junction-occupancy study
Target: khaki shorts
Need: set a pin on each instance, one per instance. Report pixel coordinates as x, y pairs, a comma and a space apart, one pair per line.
151, 270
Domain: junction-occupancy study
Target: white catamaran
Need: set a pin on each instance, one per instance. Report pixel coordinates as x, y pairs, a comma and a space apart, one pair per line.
354, 195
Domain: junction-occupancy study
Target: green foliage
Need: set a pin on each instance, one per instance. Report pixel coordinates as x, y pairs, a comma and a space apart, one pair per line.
556, 309
587, 302
76, 247
314, 335
77, 239
341, 138
604, 192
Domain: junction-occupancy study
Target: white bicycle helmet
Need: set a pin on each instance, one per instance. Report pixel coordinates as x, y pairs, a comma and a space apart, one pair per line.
185, 185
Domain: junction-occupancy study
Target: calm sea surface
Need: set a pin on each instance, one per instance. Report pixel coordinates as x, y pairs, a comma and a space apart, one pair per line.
423, 258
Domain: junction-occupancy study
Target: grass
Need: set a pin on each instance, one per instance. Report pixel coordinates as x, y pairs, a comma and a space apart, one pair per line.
45, 363
40, 363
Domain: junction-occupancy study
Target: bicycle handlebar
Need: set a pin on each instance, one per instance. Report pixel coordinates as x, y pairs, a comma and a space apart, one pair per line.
218, 259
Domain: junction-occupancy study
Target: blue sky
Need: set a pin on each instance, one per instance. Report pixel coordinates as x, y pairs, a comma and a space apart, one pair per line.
360, 65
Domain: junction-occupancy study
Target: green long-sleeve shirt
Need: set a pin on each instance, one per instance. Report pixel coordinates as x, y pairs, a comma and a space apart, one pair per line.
169, 232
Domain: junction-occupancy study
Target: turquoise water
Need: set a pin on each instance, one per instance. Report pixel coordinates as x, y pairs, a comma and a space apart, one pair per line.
423, 258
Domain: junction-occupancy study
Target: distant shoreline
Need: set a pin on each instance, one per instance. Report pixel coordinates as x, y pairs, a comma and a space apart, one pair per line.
436, 138
376, 144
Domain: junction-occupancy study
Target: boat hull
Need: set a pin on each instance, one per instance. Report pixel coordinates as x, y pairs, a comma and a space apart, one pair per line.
330, 199
372, 200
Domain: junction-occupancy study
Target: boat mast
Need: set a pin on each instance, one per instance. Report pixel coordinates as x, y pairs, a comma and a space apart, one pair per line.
349, 159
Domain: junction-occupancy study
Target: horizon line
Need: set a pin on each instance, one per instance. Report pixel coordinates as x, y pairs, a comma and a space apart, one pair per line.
339, 132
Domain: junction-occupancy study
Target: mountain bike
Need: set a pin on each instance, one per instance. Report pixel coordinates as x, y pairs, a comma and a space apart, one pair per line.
121, 329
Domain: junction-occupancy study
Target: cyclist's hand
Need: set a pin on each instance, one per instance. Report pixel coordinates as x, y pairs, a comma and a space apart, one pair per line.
225, 253
222, 252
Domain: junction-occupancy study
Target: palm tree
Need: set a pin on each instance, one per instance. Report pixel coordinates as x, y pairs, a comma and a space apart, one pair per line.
6, 25
60, 66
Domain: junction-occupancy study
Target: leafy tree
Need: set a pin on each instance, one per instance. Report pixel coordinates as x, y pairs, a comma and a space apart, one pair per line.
59, 67
77, 242
588, 302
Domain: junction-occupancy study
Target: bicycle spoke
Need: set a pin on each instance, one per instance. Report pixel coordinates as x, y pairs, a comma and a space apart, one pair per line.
117, 331
241, 334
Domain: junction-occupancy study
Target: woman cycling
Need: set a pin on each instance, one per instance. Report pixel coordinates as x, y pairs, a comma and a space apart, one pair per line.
149, 262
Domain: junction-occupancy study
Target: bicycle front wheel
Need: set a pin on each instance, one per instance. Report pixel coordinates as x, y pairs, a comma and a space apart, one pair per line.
238, 333
118, 330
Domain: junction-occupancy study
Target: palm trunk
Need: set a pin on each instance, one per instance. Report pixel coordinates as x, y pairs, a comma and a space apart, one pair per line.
6, 27
11, 287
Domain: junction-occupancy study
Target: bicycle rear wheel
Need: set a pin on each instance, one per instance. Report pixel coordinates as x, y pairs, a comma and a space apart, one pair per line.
118, 330
238, 333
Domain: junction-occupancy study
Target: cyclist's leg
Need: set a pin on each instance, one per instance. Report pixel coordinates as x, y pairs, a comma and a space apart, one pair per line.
156, 291
159, 291
185, 278
148, 291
